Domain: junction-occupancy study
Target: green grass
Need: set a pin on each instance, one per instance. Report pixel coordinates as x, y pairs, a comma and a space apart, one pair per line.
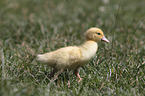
28, 27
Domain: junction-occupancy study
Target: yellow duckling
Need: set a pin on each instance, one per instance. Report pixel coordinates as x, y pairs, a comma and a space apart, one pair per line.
73, 57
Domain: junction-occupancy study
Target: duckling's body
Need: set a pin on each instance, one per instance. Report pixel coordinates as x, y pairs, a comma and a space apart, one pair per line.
73, 57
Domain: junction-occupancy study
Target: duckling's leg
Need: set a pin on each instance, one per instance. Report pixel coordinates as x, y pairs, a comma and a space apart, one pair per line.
51, 75
56, 77
78, 76
68, 83
59, 72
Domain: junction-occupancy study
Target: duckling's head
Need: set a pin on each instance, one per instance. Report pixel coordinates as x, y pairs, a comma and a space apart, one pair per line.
95, 34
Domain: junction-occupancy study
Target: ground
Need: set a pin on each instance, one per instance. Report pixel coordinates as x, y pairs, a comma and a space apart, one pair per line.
28, 27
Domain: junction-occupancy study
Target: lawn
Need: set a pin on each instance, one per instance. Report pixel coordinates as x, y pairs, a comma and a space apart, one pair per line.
29, 27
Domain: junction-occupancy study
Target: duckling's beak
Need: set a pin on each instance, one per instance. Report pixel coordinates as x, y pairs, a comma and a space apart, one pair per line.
105, 39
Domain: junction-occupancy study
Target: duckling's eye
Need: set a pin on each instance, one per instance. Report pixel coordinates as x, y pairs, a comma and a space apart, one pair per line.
98, 33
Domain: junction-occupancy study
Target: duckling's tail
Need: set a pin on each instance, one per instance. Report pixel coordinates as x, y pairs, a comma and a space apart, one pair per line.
41, 58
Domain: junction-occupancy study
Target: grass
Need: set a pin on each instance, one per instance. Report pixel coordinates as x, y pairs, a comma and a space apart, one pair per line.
28, 27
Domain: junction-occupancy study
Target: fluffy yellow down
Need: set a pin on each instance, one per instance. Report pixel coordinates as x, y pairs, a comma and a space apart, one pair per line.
71, 57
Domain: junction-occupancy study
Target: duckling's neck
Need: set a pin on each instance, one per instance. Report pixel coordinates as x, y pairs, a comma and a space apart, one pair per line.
89, 45
89, 49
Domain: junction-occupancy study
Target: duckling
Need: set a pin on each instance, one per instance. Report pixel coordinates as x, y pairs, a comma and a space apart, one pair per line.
73, 57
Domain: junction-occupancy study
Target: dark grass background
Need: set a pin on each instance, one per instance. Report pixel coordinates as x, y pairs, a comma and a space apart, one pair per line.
28, 27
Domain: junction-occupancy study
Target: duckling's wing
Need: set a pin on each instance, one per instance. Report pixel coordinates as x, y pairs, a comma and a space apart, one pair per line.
75, 58
75, 55
67, 56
